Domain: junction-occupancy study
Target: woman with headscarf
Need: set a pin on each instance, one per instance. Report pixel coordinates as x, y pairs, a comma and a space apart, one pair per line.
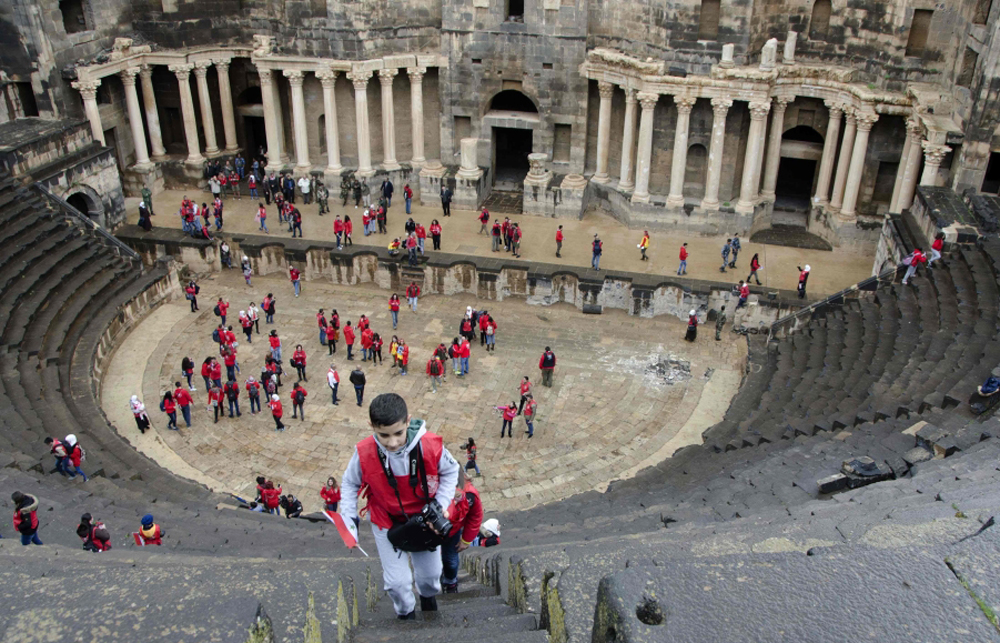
692, 331
139, 412
246, 268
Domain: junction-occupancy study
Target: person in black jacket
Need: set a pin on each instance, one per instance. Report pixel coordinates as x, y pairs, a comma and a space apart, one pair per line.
291, 505
357, 378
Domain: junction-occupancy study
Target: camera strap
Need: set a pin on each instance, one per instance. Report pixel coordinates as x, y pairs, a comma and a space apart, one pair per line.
417, 473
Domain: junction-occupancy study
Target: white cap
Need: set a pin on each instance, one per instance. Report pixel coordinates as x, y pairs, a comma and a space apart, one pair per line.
275, 398
492, 525
691, 313
70, 439
808, 268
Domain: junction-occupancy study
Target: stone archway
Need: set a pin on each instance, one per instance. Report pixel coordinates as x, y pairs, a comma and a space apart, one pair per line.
250, 111
801, 151
88, 202
510, 121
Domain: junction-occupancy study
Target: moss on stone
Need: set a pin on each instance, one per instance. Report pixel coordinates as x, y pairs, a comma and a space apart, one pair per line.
312, 632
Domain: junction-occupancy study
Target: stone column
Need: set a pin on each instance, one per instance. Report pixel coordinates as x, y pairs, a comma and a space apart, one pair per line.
135, 115
625, 180
207, 119
836, 111
416, 75
678, 166
385, 76
295, 80
844, 161
152, 115
183, 73
607, 90
645, 153
933, 155
88, 89
774, 148
752, 158
328, 78
911, 168
720, 108
900, 174
271, 123
226, 101
360, 80
865, 122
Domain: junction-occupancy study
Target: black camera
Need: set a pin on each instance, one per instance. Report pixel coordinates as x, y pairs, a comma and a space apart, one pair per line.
433, 516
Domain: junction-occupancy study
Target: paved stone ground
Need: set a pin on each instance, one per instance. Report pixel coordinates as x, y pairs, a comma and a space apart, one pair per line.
831, 271
605, 417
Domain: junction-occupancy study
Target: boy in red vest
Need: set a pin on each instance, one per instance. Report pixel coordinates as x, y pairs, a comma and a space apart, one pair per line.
423, 474
466, 515
150, 532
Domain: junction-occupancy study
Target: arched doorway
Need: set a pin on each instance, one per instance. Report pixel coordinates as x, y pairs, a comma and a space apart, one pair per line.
88, 203
250, 107
801, 151
512, 117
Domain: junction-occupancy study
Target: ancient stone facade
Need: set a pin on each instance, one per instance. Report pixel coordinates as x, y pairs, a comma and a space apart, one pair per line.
705, 115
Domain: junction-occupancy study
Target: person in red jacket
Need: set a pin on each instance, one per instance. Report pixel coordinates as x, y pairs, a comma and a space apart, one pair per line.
331, 338
435, 232
547, 364
349, 339
408, 196
275, 342
75, 455
232, 391
215, 397
509, 413
465, 352
299, 362
394, 309
330, 494
525, 392
191, 292
484, 321
367, 335
936, 248
170, 408
484, 221
466, 515
435, 369
183, 400
348, 229
94, 534
293, 275
363, 323
421, 237
559, 240
913, 262
271, 497
275, 406
298, 398
338, 231
222, 308
150, 532
26, 517
412, 294
682, 269
229, 359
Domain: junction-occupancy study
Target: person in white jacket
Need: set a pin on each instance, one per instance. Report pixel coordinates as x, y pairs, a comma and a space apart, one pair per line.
388, 451
333, 381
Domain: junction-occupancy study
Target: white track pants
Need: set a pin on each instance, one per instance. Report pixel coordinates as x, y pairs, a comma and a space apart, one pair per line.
397, 578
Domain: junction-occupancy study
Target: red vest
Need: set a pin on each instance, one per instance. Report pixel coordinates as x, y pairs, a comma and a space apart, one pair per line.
151, 536
382, 503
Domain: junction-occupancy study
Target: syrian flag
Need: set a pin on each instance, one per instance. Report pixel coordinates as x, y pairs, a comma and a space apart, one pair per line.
342, 529
139, 540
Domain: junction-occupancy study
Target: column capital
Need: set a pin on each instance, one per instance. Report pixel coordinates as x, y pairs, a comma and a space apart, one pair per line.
385, 76
265, 77
647, 100
416, 74
865, 121
781, 102
86, 87
933, 153
360, 79
295, 77
759, 110
222, 66
630, 96
128, 76
721, 106
606, 89
201, 68
850, 115
327, 77
684, 104
835, 109
182, 71
146, 71
914, 129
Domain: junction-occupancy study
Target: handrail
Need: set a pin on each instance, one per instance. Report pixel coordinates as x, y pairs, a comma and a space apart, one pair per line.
117, 244
888, 274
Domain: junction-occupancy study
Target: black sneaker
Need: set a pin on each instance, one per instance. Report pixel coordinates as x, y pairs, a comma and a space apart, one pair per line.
450, 588
412, 616
428, 604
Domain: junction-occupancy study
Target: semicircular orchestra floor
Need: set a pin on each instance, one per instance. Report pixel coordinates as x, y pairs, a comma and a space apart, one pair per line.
627, 391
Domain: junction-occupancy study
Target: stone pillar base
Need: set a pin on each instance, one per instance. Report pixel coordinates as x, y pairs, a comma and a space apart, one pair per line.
675, 202
744, 208
570, 200
640, 198
431, 177
538, 199
469, 191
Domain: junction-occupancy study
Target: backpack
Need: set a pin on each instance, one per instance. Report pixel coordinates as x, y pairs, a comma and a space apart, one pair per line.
215, 336
299, 397
217, 311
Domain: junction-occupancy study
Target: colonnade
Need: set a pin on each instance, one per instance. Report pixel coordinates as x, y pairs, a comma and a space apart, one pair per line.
273, 117
839, 181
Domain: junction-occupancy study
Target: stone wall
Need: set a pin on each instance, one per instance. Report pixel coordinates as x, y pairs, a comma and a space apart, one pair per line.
446, 274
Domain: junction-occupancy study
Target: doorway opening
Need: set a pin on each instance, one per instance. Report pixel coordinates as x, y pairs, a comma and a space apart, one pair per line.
511, 147
795, 180
256, 136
